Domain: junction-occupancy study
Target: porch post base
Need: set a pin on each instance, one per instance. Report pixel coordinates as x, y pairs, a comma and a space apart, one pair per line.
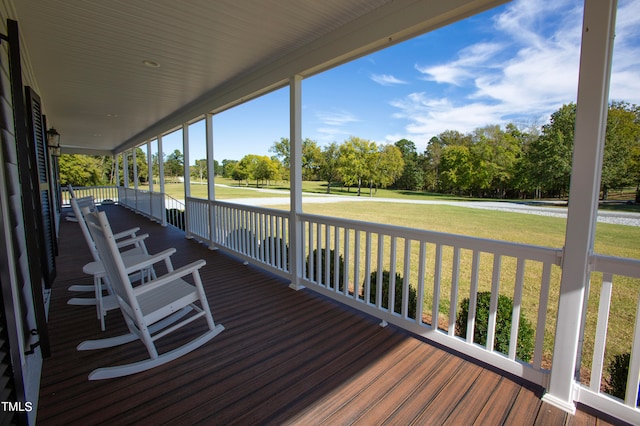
569, 407
296, 287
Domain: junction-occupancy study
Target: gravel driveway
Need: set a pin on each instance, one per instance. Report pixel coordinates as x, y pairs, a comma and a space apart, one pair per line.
619, 218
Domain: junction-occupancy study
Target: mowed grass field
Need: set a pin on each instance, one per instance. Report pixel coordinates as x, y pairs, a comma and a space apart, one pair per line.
611, 240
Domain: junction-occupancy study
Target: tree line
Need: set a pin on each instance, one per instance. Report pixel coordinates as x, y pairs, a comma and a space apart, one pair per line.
491, 161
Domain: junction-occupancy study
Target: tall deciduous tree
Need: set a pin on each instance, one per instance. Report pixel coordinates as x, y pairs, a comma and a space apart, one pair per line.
411, 177
386, 166
329, 169
455, 164
227, 168
430, 165
622, 139
174, 164
311, 159
282, 150
258, 168
494, 153
356, 159
549, 157
199, 169
310, 156
80, 170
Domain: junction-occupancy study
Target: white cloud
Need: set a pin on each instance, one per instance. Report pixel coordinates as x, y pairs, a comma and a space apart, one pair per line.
456, 72
527, 75
332, 132
429, 116
386, 80
446, 73
334, 125
625, 81
338, 118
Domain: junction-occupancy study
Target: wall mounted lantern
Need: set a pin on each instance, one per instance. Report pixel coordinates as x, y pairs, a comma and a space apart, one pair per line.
53, 141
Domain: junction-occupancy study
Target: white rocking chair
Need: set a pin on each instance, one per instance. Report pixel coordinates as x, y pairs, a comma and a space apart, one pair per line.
151, 310
71, 217
132, 256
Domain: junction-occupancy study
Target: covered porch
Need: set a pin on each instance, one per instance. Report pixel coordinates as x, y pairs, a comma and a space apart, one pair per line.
319, 353
285, 357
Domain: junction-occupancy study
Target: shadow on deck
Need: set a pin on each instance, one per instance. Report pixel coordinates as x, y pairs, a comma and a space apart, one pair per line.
285, 357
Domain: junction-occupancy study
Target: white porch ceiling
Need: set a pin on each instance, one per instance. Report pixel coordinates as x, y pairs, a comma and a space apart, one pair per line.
86, 58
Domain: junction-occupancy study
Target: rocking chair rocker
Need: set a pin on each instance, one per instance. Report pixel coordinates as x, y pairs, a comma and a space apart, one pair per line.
151, 310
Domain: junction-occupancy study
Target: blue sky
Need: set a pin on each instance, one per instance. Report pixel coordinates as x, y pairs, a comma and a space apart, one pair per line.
516, 63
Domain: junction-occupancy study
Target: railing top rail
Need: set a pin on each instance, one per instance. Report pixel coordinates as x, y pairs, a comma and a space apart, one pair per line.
230, 204
615, 265
76, 188
539, 253
197, 199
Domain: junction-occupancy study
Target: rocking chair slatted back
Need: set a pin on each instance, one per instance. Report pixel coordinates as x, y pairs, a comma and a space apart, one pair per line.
110, 256
77, 204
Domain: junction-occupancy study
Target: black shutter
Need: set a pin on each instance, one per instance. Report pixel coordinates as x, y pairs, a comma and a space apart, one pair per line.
38, 146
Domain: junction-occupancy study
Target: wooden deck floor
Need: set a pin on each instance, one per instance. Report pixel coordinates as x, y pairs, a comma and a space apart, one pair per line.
285, 357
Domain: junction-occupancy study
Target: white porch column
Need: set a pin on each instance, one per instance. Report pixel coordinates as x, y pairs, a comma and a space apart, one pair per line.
116, 164
186, 177
150, 180
135, 178
295, 178
211, 189
185, 151
161, 179
116, 177
125, 169
149, 166
591, 121
160, 165
135, 168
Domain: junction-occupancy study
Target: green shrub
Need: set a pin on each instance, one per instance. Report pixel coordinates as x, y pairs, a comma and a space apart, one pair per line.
243, 239
397, 304
273, 247
525, 344
618, 372
330, 283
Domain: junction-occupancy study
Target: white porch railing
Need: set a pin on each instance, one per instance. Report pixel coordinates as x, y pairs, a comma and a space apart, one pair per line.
339, 256
150, 204
606, 270
254, 234
99, 193
442, 269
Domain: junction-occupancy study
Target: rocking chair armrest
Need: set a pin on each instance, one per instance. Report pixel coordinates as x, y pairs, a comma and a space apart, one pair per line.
128, 233
171, 276
131, 241
156, 258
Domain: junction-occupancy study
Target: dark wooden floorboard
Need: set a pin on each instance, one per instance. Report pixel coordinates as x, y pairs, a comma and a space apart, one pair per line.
285, 357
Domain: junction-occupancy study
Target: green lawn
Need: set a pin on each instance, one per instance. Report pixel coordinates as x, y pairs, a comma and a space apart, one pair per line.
227, 189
